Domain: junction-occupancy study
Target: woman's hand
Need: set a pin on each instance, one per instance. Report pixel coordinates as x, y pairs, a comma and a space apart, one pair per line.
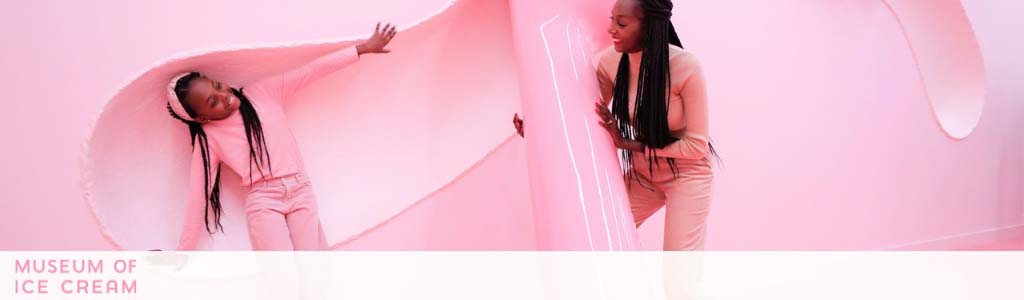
379, 40
518, 123
609, 124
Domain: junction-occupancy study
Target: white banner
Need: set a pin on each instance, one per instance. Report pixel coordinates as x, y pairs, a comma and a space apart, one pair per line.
512, 275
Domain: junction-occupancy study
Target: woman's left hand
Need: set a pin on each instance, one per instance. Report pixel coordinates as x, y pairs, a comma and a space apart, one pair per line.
608, 121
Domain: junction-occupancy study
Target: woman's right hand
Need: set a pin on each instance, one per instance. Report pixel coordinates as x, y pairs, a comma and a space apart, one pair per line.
378, 41
610, 123
518, 123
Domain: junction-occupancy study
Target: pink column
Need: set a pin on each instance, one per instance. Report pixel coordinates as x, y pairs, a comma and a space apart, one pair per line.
578, 194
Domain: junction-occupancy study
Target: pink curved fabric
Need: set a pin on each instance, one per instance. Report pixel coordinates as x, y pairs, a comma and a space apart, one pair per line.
948, 58
376, 137
408, 123
485, 208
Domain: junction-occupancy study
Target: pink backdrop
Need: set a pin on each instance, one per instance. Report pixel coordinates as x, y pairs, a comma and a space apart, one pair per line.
822, 112
825, 123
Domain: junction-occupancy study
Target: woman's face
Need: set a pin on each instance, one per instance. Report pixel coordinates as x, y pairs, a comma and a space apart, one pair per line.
211, 100
626, 26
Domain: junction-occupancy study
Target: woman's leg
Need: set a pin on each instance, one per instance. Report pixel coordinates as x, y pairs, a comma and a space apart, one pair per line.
688, 200
265, 208
304, 220
644, 196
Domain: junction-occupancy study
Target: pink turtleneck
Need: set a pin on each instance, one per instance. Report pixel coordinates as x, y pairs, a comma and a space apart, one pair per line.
228, 142
687, 98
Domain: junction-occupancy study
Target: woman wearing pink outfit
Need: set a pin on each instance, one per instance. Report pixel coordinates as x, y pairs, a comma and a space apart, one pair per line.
246, 130
659, 118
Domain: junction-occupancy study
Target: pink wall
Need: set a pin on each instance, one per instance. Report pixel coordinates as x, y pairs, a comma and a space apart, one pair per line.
818, 109
829, 143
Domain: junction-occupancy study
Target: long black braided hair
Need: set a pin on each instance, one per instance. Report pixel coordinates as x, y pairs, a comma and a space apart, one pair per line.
650, 125
258, 153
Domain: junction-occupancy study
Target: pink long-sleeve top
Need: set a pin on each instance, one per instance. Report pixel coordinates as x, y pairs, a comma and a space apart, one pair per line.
228, 143
687, 98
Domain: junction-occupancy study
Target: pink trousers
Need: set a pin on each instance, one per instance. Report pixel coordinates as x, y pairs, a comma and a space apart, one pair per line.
282, 215
686, 198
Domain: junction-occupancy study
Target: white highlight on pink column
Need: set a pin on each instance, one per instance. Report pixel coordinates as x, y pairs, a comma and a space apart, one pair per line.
572, 58
565, 130
625, 214
616, 210
597, 180
579, 44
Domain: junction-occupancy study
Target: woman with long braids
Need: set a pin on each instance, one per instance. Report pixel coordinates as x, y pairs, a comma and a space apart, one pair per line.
246, 130
659, 118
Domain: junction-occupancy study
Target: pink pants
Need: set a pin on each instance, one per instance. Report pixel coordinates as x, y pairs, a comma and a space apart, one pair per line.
282, 215
686, 198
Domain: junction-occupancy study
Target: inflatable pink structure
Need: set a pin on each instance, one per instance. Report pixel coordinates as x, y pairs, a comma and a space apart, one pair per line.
843, 125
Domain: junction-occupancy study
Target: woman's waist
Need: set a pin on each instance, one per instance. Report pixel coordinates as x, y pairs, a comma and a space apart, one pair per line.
254, 170
640, 158
255, 173
278, 179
